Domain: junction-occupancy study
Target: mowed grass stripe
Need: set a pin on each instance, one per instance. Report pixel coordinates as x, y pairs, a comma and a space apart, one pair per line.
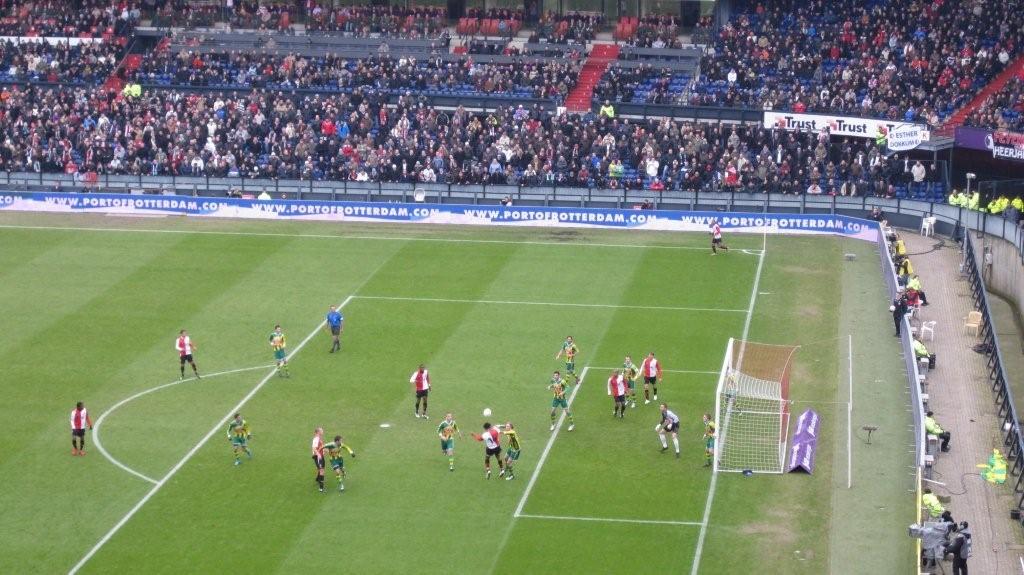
498, 357
605, 456
377, 238
122, 548
83, 355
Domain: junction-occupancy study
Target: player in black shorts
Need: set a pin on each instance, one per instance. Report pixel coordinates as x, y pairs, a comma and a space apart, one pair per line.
318, 456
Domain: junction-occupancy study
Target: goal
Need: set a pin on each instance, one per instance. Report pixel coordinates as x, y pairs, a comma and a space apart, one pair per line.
752, 407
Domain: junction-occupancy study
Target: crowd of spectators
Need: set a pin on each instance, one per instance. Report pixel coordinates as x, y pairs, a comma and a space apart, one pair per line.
657, 31
68, 18
647, 84
359, 137
525, 77
364, 21
85, 63
501, 22
568, 28
1003, 110
244, 14
902, 60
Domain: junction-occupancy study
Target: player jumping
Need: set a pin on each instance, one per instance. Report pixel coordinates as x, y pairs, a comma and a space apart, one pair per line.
420, 381
558, 387
617, 390
512, 453
651, 370
716, 238
337, 462
709, 440
492, 448
279, 344
631, 372
569, 349
446, 430
239, 436
185, 348
79, 421
335, 322
669, 424
318, 456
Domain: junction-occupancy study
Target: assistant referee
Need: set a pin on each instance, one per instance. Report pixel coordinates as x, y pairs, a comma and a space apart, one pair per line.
336, 323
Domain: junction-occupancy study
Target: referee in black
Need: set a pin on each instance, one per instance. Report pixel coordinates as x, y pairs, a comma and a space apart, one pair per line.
336, 323
899, 309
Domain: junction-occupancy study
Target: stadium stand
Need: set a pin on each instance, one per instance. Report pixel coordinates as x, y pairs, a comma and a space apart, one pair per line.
1003, 109
898, 59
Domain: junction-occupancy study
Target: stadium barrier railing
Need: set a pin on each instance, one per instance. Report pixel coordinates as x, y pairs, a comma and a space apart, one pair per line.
906, 342
1006, 408
952, 221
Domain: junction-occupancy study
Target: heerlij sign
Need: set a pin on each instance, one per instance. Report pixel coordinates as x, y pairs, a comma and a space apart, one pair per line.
805, 443
837, 125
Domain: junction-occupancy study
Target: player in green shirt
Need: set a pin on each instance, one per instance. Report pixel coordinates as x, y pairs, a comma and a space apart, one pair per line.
630, 371
512, 453
569, 350
333, 450
558, 387
239, 435
446, 430
709, 440
279, 344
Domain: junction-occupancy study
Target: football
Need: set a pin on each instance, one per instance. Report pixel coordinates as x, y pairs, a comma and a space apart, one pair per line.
487, 412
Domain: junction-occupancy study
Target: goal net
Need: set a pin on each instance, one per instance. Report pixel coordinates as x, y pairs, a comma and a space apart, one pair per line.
752, 407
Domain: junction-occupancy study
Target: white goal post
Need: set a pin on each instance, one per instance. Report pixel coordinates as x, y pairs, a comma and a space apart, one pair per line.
752, 407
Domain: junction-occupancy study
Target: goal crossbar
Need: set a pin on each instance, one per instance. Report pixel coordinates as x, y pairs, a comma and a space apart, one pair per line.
752, 407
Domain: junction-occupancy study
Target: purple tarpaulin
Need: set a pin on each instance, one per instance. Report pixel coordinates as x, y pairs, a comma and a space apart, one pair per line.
974, 138
805, 442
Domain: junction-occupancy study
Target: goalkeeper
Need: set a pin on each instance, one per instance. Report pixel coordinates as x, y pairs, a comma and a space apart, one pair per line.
669, 424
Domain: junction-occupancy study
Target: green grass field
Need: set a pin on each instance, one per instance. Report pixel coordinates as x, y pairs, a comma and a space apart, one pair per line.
91, 307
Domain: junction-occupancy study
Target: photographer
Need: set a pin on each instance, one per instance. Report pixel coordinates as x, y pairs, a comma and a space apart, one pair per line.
899, 309
960, 548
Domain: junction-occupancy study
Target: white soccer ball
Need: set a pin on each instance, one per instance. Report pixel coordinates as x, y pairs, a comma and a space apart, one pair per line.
487, 412
892, 308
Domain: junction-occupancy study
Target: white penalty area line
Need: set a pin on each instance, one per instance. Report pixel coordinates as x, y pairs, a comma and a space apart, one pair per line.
549, 304
609, 520
111, 409
376, 238
547, 447
689, 371
181, 463
695, 569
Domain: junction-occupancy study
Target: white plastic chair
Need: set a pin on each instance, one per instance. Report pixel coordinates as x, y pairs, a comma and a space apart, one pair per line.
928, 226
928, 328
973, 322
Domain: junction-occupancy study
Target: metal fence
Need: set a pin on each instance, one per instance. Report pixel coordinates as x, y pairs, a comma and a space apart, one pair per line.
906, 341
1006, 408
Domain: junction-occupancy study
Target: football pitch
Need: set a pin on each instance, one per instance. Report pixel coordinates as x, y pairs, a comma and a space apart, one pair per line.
92, 306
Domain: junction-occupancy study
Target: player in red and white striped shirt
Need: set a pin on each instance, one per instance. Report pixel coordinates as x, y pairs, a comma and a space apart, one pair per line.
318, 456
492, 447
650, 370
420, 381
617, 388
716, 239
185, 348
79, 421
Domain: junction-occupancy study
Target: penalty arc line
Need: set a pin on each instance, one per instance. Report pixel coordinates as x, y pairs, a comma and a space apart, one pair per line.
714, 474
111, 409
181, 463
610, 520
